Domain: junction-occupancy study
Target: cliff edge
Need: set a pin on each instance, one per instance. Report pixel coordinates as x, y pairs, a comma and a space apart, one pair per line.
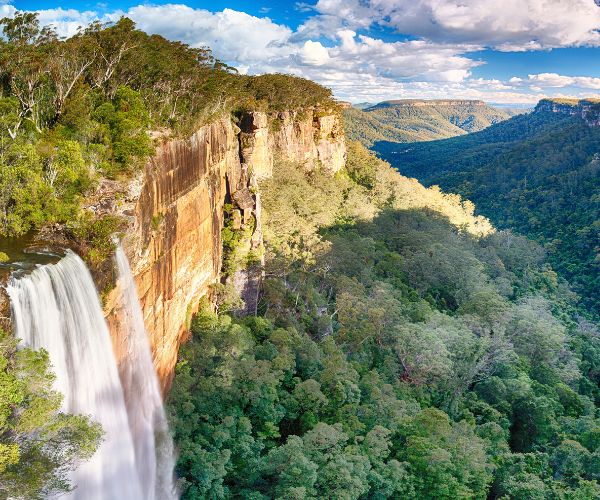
175, 213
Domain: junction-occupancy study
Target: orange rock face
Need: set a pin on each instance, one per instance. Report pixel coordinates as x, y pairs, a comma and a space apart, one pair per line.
307, 138
174, 239
174, 246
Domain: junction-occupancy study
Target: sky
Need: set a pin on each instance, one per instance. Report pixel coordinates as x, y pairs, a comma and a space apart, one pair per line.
501, 51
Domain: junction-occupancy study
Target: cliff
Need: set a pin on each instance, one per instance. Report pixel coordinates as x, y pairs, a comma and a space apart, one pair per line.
175, 212
418, 103
310, 138
587, 109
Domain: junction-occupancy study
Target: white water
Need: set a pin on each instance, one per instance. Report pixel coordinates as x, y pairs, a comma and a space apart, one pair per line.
152, 441
57, 307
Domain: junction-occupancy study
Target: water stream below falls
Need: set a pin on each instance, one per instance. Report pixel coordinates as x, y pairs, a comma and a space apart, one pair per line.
56, 307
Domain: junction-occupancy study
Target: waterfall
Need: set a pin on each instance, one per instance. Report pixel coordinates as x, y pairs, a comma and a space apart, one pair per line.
57, 308
152, 441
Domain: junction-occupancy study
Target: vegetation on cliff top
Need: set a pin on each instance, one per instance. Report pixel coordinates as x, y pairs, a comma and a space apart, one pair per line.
76, 110
403, 350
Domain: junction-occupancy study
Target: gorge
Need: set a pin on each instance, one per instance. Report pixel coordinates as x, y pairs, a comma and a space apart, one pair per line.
185, 185
217, 293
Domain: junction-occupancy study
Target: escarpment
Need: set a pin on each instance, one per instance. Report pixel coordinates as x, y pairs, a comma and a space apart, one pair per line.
587, 109
175, 213
311, 138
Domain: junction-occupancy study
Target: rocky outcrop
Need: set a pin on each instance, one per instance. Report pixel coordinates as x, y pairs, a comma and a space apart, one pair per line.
175, 210
587, 109
174, 238
312, 138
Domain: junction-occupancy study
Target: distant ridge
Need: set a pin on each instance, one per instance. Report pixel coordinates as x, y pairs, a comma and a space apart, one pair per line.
417, 120
426, 103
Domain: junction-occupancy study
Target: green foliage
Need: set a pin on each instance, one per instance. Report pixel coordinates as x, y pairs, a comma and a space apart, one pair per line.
263, 409
403, 350
39, 445
97, 234
537, 174
414, 121
74, 111
278, 92
127, 121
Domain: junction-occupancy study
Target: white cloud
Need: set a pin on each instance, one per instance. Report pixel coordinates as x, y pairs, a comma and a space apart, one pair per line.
415, 59
554, 80
502, 24
360, 67
234, 36
6, 10
313, 53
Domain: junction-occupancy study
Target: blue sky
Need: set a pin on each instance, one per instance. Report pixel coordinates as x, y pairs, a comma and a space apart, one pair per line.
502, 51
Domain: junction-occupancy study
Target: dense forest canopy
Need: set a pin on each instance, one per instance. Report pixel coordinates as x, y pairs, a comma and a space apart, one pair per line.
536, 173
403, 349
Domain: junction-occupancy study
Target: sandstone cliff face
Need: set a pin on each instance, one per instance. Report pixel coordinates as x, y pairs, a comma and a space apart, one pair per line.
174, 241
587, 110
175, 211
310, 138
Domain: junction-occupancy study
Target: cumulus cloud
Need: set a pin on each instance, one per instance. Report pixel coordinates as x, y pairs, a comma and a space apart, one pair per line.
554, 80
506, 25
416, 59
435, 62
6, 10
234, 36
313, 53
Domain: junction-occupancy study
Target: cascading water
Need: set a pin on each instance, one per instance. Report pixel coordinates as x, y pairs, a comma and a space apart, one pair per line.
57, 308
152, 441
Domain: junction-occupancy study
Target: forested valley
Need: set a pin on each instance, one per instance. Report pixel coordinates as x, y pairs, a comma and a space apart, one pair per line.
537, 174
403, 346
404, 349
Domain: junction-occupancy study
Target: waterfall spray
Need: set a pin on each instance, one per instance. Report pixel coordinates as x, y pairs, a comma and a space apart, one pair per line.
147, 420
57, 308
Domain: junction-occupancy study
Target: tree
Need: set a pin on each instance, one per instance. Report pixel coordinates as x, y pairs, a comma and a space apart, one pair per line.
39, 445
109, 43
446, 459
23, 63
